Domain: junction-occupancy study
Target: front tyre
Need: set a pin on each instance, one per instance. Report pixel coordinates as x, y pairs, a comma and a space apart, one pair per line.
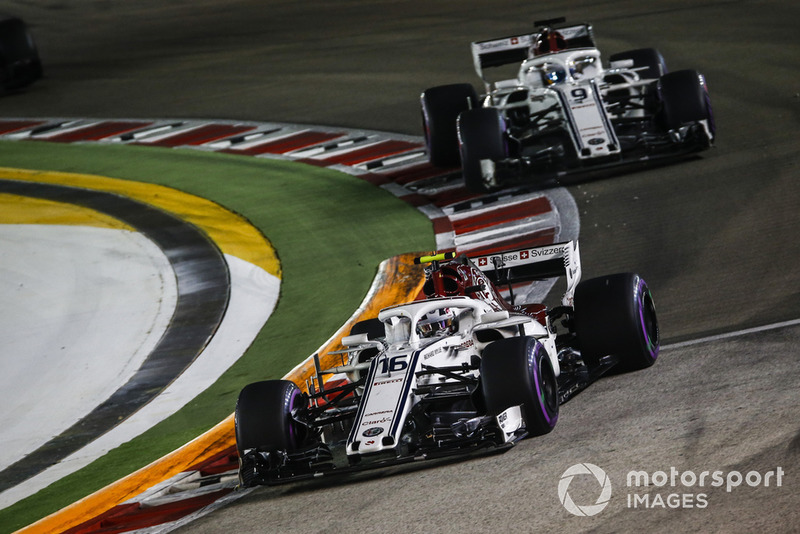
685, 100
517, 371
441, 106
264, 418
616, 315
481, 136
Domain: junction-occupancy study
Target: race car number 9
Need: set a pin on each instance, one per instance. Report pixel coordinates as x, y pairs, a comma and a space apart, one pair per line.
579, 94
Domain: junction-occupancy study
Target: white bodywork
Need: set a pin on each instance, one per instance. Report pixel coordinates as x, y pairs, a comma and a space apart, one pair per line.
393, 375
574, 95
389, 392
564, 86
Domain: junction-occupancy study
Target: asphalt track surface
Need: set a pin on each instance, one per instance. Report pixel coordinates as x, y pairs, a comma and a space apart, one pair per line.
714, 236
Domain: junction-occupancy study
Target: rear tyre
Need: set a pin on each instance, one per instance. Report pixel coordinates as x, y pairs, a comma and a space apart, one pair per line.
650, 58
685, 100
440, 108
616, 315
517, 371
264, 417
372, 327
481, 135
19, 59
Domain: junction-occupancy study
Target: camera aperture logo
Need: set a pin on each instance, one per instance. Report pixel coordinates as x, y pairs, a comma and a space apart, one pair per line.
668, 489
587, 509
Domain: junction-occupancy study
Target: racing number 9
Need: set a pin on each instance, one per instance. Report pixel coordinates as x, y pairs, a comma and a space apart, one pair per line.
579, 94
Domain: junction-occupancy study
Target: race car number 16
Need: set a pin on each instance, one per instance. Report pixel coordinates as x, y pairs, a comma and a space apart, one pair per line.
394, 364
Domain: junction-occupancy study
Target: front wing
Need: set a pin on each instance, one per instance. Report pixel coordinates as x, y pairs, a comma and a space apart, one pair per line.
553, 164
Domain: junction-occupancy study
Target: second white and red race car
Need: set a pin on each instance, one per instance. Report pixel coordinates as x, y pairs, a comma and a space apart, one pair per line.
552, 107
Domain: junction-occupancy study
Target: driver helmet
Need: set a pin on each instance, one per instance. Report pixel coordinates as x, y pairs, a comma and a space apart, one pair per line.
437, 322
553, 73
548, 41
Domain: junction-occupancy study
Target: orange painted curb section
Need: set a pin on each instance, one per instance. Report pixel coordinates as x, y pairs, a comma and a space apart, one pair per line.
397, 281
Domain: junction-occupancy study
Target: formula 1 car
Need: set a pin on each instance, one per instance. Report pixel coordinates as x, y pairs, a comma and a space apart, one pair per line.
454, 372
19, 58
564, 111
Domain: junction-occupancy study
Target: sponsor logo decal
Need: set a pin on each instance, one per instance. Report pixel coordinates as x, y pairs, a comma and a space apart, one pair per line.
377, 421
589, 509
382, 412
433, 353
372, 432
667, 489
390, 381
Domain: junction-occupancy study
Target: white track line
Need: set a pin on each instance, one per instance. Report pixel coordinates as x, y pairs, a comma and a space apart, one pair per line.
737, 333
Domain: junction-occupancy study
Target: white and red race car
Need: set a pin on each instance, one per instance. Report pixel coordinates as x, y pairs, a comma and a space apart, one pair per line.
454, 372
562, 110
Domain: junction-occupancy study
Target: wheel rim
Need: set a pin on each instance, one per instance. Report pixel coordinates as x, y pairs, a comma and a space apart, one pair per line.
545, 389
647, 319
548, 399
292, 430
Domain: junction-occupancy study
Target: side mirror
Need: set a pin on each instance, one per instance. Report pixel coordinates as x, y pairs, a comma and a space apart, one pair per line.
493, 317
621, 64
357, 339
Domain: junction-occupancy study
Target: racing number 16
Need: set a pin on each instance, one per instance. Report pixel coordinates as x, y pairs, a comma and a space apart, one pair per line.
393, 365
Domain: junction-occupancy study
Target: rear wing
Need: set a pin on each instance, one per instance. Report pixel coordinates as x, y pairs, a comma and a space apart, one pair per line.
503, 51
537, 263
517, 48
